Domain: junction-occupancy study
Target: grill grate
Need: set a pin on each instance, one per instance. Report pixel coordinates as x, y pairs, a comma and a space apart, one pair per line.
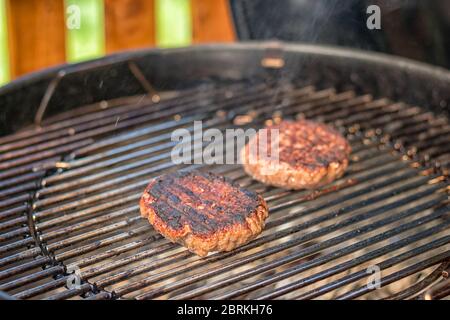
69, 192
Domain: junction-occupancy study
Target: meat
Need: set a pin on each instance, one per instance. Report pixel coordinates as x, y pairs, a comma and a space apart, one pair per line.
203, 211
310, 155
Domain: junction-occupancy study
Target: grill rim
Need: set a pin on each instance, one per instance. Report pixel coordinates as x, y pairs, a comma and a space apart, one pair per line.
229, 62
323, 50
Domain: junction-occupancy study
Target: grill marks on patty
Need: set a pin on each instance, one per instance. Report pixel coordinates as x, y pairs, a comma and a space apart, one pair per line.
203, 211
198, 200
310, 144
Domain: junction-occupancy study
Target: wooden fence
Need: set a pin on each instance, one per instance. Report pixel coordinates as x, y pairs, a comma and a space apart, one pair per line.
37, 29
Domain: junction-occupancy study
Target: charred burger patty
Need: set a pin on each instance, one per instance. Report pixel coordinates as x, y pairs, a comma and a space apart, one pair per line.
203, 211
310, 155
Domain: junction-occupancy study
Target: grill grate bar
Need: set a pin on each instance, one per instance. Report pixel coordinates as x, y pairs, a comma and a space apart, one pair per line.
30, 253
91, 222
419, 286
31, 278
106, 109
144, 115
17, 199
45, 154
399, 275
20, 232
440, 290
149, 239
316, 248
21, 243
99, 244
12, 212
382, 265
122, 262
38, 262
179, 96
43, 288
70, 293
376, 253
351, 263
24, 170
83, 183
116, 226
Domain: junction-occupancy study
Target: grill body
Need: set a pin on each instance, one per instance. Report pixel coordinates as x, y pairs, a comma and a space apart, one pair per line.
70, 183
110, 77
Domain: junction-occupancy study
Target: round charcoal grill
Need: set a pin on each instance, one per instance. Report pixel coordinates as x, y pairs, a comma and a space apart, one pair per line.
80, 143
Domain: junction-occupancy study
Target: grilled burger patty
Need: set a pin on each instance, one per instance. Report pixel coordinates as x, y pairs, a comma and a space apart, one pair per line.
203, 211
311, 155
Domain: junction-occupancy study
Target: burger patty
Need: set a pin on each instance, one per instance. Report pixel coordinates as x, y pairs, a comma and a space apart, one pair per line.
203, 211
310, 155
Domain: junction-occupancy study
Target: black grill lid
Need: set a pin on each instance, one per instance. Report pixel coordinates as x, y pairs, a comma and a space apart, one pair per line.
410, 28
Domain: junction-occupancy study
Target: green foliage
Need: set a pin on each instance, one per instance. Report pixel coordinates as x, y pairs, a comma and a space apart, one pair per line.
173, 23
4, 70
88, 41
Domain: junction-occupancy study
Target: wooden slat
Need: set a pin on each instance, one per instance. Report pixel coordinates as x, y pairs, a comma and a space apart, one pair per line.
129, 24
212, 21
36, 33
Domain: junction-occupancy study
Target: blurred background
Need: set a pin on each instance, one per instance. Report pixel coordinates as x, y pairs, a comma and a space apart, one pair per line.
39, 33
36, 34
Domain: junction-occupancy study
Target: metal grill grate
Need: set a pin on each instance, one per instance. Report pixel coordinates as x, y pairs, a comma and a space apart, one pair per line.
69, 192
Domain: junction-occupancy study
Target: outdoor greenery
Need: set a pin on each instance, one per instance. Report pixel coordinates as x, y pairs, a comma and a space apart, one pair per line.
4, 73
88, 41
173, 23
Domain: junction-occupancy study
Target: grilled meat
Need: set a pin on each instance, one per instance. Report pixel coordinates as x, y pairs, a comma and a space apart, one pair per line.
310, 155
203, 211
